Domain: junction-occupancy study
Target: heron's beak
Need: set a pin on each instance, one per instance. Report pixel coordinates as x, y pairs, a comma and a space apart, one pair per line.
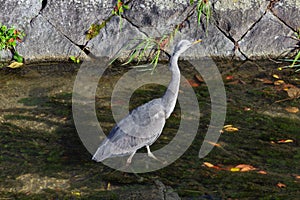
197, 41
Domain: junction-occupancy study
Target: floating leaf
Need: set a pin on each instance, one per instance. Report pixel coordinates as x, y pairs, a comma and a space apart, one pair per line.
213, 144
14, 65
292, 109
207, 164
279, 82
245, 167
262, 172
76, 193
193, 83
199, 78
247, 109
230, 128
293, 92
229, 77
234, 82
234, 169
276, 76
108, 186
265, 81
297, 176
285, 141
281, 185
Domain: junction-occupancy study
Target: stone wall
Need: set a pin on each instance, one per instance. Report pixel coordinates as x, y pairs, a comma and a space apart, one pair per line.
56, 29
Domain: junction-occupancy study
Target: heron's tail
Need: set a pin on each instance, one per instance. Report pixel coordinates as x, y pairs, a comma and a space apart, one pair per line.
102, 152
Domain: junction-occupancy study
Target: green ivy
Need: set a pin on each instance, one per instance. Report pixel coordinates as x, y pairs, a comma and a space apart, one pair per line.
8, 40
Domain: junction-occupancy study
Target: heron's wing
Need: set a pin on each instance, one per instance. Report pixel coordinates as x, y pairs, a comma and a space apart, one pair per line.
141, 127
146, 121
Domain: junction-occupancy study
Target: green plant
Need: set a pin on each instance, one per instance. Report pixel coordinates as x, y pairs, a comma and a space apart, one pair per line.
151, 46
75, 59
203, 7
94, 30
8, 40
296, 60
119, 9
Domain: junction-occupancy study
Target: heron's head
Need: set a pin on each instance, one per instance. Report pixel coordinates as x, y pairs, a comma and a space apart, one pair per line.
183, 45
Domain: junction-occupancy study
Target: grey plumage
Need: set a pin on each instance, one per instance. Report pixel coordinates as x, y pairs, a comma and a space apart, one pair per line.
143, 125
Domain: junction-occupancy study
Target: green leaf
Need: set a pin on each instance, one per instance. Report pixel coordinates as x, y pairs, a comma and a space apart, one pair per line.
296, 59
17, 57
3, 28
94, 30
74, 59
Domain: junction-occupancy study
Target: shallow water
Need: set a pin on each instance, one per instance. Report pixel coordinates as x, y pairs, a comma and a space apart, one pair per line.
43, 156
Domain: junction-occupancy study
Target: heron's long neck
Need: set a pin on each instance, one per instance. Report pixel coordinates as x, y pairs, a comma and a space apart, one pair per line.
170, 97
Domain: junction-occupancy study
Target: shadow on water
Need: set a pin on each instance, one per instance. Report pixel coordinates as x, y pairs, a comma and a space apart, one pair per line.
43, 157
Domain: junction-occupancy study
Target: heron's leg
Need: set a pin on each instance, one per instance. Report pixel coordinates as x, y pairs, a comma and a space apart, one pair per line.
130, 159
150, 154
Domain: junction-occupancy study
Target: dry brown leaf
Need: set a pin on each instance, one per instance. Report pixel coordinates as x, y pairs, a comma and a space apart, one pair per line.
247, 109
285, 141
234, 169
230, 128
276, 76
229, 77
108, 186
245, 167
294, 93
193, 83
262, 172
242, 82
14, 65
287, 86
207, 164
213, 143
265, 81
199, 78
281, 185
279, 82
76, 193
292, 109
233, 82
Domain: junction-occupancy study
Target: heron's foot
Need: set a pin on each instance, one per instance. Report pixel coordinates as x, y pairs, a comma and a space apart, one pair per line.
151, 155
128, 162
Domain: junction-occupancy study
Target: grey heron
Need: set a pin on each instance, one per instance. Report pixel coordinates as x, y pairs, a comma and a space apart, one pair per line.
143, 125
